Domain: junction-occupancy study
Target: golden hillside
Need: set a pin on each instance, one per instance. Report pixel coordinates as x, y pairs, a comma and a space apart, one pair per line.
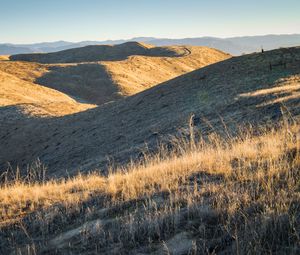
135, 67
34, 99
94, 82
138, 73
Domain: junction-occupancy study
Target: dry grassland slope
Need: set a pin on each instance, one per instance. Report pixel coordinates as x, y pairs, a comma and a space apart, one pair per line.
102, 73
239, 90
33, 99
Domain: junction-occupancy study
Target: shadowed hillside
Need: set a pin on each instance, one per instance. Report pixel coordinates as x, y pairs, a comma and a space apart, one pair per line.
244, 89
221, 195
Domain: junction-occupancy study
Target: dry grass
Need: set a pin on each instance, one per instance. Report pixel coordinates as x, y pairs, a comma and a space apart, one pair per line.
285, 90
4, 57
33, 99
237, 194
138, 73
59, 89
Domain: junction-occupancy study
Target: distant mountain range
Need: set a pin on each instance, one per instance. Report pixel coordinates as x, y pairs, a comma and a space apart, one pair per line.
233, 45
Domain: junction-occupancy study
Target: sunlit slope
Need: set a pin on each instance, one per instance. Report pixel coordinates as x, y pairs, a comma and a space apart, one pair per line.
17, 89
124, 69
239, 90
27, 71
138, 73
4, 57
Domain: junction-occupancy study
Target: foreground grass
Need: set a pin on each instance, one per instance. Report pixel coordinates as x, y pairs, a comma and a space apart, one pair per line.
236, 195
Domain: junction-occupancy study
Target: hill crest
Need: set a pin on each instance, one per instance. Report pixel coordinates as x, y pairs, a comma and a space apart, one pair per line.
93, 53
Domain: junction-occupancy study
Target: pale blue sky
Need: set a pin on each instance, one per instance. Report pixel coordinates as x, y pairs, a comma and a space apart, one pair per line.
27, 21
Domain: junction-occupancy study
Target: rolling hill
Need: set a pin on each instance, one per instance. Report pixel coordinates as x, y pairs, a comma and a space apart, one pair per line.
94, 53
123, 70
246, 89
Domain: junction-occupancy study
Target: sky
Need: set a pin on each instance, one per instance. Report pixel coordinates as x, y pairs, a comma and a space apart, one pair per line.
28, 21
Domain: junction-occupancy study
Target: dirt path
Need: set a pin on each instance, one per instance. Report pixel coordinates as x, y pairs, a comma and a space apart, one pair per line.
187, 51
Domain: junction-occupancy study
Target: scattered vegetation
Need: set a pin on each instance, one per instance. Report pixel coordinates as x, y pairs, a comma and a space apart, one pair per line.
239, 194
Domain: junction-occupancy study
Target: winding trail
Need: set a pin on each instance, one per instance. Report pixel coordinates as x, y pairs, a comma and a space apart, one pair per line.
187, 52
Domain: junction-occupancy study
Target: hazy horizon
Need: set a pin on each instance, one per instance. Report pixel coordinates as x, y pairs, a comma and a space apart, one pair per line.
33, 21
134, 37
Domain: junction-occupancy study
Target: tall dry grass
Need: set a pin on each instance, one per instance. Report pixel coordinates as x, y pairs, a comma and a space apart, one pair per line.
234, 194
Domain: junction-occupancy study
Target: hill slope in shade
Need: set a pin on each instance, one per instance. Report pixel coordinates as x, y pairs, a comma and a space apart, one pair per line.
99, 82
241, 90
